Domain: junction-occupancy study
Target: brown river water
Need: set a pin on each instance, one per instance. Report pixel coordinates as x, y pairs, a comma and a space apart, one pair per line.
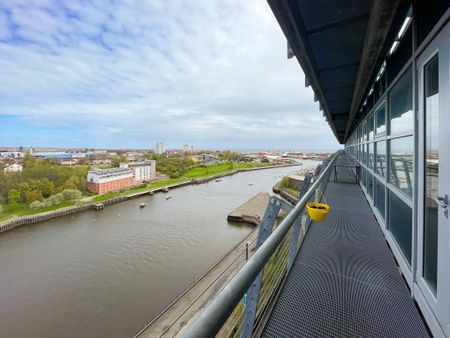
72, 277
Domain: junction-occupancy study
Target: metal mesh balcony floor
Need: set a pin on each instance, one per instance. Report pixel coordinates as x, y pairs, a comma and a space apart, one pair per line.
344, 281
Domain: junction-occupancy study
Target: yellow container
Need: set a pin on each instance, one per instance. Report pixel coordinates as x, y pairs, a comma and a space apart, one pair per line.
318, 211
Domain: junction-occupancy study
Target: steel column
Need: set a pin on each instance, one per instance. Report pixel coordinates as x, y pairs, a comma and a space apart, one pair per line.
273, 208
297, 225
265, 229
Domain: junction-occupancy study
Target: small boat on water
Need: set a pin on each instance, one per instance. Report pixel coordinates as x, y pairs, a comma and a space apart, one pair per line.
142, 205
218, 180
168, 197
250, 183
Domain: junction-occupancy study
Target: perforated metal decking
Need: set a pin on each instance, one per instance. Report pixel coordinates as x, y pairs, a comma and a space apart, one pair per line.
344, 281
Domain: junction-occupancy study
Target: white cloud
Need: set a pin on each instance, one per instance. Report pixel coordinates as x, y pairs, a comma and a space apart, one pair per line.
212, 73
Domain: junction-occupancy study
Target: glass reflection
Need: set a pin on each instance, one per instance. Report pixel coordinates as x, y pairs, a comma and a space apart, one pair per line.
400, 223
370, 185
381, 120
379, 197
401, 161
401, 114
380, 165
370, 128
431, 172
371, 155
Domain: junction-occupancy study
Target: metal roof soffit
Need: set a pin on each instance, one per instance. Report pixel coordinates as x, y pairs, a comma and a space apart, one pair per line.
382, 16
295, 33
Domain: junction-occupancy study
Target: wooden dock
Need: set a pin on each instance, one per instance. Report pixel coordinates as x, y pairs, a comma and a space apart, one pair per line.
251, 211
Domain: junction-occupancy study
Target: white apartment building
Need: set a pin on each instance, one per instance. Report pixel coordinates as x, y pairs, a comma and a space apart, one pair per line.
160, 148
142, 171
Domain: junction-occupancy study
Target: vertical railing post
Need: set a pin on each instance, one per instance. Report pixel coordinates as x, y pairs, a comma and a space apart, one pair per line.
318, 170
265, 229
297, 225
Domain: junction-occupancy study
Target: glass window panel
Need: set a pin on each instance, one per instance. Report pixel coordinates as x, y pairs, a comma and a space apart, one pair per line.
401, 114
401, 161
380, 120
362, 176
400, 223
370, 128
379, 197
364, 131
370, 184
381, 86
371, 155
380, 165
364, 149
430, 243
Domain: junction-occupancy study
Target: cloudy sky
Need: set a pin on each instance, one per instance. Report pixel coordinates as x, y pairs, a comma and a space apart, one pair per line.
211, 73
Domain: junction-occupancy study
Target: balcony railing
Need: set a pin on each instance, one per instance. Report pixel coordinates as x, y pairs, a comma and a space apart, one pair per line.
238, 308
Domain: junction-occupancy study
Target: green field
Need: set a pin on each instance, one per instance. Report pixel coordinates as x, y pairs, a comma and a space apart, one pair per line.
220, 168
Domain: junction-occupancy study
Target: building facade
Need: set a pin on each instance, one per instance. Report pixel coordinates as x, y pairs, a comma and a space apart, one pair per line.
106, 180
142, 171
400, 142
380, 71
160, 148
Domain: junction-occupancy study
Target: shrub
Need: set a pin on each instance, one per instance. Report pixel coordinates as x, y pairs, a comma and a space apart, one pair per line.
36, 205
1, 208
56, 199
71, 194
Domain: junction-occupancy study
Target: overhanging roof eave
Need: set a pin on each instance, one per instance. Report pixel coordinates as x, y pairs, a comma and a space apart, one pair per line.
296, 37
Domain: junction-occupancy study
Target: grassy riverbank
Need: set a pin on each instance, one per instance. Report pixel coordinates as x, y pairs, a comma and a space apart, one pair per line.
198, 172
24, 210
290, 190
153, 185
194, 173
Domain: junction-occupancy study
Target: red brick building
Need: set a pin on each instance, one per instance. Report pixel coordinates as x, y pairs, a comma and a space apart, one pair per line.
106, 180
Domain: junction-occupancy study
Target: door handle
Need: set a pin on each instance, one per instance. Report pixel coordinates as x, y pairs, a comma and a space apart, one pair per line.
442, 201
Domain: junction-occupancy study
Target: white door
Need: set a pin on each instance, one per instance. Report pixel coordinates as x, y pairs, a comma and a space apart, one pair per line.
432, 286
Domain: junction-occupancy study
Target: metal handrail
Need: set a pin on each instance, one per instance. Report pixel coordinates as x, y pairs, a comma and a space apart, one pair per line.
217, 312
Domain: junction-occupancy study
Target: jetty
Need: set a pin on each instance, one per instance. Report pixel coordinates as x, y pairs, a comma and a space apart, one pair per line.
251, 211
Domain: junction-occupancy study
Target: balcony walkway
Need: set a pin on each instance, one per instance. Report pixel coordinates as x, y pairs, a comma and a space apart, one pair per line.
344, 281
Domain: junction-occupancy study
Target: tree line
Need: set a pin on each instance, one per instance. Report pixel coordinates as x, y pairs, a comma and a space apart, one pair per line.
173, 167
40, 180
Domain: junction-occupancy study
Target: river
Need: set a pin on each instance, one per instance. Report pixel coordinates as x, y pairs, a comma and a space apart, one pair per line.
73, 277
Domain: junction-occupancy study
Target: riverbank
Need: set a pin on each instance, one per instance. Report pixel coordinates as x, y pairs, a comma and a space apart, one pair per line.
285, 193
182, 312
152, 188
